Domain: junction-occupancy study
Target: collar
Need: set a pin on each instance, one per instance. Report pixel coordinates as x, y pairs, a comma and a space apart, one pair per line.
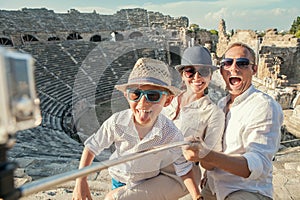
239, 99
126, 119
202, 102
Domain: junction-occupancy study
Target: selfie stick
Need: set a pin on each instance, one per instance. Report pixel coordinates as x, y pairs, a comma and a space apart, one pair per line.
48, 182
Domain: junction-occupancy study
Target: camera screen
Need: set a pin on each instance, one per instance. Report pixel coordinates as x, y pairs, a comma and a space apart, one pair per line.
19, 93
19, 74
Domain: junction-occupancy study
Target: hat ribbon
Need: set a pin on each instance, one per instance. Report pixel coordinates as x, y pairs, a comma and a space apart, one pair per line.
148, 79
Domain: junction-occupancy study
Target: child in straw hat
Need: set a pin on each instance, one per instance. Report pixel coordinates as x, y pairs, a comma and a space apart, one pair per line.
165, 175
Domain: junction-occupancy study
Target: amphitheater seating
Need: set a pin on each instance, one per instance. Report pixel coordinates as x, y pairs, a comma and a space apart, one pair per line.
70, 71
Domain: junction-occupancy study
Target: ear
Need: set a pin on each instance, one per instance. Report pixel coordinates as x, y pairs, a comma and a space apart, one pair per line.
168, 100
254, 69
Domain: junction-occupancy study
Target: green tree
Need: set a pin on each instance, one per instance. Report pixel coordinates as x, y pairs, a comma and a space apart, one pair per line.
297, 34
295, 26
214, 32
194, 27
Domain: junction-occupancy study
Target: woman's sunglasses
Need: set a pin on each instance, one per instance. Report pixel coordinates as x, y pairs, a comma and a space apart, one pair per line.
190, 71
153, 96
242, 63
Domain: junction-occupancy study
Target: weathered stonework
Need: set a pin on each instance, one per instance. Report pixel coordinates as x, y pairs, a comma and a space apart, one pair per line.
43, 24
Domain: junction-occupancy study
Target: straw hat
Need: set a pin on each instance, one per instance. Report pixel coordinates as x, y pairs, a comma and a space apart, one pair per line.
196, 56
148, 71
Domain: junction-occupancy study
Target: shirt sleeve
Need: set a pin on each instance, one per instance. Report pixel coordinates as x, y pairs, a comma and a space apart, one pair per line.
102, 139
262, 137
181, 165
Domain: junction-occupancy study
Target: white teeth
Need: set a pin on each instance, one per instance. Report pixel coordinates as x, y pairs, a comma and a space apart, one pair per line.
145, 111
198, 84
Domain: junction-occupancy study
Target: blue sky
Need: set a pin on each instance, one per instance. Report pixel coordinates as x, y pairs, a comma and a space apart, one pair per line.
238, 14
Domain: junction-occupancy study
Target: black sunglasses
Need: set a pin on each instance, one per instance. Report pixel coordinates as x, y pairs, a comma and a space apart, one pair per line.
190, 71
242, 63
153, 96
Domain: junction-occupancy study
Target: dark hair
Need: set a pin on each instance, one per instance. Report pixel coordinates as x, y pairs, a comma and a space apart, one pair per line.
240, 44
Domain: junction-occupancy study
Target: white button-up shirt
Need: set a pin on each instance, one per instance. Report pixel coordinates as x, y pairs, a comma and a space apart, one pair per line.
253, 130
200, 118
120, 129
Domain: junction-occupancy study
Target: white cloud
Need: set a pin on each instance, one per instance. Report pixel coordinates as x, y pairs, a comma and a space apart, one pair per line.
222, 13
278, 11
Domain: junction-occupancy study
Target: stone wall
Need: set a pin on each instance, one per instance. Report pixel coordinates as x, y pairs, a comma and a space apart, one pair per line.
43, 23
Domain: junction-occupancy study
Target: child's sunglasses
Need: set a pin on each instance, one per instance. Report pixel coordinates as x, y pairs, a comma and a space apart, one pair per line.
190, 71
153, 96
242, 63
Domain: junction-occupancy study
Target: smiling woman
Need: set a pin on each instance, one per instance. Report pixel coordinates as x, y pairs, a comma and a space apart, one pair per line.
192, 111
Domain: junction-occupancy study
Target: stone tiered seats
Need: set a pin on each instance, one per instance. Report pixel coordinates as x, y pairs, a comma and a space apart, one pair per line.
70, 71
79, 50
111, 60
55, 73
53, 148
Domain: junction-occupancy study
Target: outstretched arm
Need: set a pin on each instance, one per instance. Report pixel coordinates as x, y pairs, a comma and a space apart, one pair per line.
235, 164
81, 190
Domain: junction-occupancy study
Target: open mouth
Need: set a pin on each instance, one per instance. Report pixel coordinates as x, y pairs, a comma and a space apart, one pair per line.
235, 80
144, 115
145, 111
198, 84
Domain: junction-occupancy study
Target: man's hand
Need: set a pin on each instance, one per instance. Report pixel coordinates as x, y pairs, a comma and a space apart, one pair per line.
196, 150
81, 190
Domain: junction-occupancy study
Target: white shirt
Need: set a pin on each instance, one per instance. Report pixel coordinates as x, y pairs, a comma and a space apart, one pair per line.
253, 130
200, 118
120, 129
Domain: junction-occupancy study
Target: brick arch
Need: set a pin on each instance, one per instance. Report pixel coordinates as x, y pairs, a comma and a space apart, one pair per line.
29, 38
53, 38
5, 41
135, 34
74, 36
96, 38
117, 36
